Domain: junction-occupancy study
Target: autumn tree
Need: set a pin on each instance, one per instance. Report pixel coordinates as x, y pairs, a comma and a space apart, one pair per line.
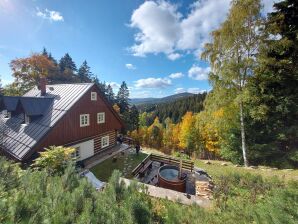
187, 138
28, 71
232, 54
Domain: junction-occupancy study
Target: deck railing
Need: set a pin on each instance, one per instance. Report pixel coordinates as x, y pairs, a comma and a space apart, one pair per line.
186, 164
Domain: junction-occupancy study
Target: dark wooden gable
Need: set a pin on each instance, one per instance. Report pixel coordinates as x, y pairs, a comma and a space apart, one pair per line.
68, 130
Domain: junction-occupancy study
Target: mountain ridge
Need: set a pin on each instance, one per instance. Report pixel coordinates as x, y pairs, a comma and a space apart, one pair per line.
152, 100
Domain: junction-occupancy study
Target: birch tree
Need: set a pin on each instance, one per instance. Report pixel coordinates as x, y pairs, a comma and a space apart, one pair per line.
232, 52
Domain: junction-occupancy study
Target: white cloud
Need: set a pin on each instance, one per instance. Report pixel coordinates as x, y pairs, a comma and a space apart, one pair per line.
153, 83
198, 73
189, 90
174, 56
176, 75
50, 15
163, 29
130, 66
159, 28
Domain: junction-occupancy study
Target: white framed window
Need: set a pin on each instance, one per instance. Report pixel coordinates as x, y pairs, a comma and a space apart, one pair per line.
84, 120
6, 114
101, 117
76, 153
105, 141
27, 119
93, 96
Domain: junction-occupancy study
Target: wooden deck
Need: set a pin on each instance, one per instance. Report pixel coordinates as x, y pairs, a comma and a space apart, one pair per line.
171, 195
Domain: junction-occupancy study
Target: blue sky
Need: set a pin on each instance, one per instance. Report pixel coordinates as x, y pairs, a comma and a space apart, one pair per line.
153, 45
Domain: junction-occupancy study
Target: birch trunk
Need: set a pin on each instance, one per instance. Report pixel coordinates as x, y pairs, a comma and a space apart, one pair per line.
243, 135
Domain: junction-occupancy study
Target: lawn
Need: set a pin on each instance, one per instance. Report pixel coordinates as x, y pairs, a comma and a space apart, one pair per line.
125, 163
215, 169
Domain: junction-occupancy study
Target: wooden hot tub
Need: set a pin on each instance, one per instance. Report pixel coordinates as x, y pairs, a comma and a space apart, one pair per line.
168, 177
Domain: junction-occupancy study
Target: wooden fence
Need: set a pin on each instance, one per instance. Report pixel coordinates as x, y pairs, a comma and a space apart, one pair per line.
186, 164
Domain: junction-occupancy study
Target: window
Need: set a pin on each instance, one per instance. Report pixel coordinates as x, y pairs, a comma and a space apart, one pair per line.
93, 96
84, 120
6, 114
101, 117
105, 141
76, 153
27, 119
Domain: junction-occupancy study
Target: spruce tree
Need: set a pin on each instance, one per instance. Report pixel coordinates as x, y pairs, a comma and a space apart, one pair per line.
273, 91
84, 73
123, 97
110, 94
66, 62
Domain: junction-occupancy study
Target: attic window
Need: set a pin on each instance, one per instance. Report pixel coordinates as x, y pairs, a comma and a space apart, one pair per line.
6, 114
93, 96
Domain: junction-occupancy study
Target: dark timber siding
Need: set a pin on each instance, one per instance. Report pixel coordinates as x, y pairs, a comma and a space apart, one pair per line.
68, 130
97, 140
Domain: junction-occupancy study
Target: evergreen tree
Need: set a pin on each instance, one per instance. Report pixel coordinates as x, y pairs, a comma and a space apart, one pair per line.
110, 94
84, 73
134, 117
66, 63
123, 97
273, 91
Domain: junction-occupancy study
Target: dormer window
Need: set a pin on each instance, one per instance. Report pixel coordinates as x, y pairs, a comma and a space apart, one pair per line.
6, 114
27, 119
93, 96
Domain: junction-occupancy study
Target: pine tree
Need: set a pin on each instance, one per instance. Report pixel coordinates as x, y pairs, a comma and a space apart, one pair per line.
84, 73
123, 97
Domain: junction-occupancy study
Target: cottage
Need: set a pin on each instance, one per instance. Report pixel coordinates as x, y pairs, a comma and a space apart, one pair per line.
75, 115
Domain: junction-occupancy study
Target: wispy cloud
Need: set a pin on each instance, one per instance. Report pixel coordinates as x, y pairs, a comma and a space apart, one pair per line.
153, 83
130, 66
189, 90
176, 75
50, 15
198, 73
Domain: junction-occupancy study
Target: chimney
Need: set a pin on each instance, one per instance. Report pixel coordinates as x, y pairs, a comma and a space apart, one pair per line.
42, 86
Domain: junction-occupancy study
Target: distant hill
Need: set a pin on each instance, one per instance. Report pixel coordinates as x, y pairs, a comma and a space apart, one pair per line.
140, 101
174, 106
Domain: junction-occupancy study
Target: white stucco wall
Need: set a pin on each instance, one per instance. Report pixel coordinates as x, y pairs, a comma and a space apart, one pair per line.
86, 149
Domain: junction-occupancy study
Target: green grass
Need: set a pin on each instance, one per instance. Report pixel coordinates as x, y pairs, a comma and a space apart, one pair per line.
103, 171
215, 169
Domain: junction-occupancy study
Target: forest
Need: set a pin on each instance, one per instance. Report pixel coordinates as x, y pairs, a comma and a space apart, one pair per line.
251, 114
174, 109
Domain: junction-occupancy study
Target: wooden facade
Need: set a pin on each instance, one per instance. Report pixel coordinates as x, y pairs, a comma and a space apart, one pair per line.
67, 131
